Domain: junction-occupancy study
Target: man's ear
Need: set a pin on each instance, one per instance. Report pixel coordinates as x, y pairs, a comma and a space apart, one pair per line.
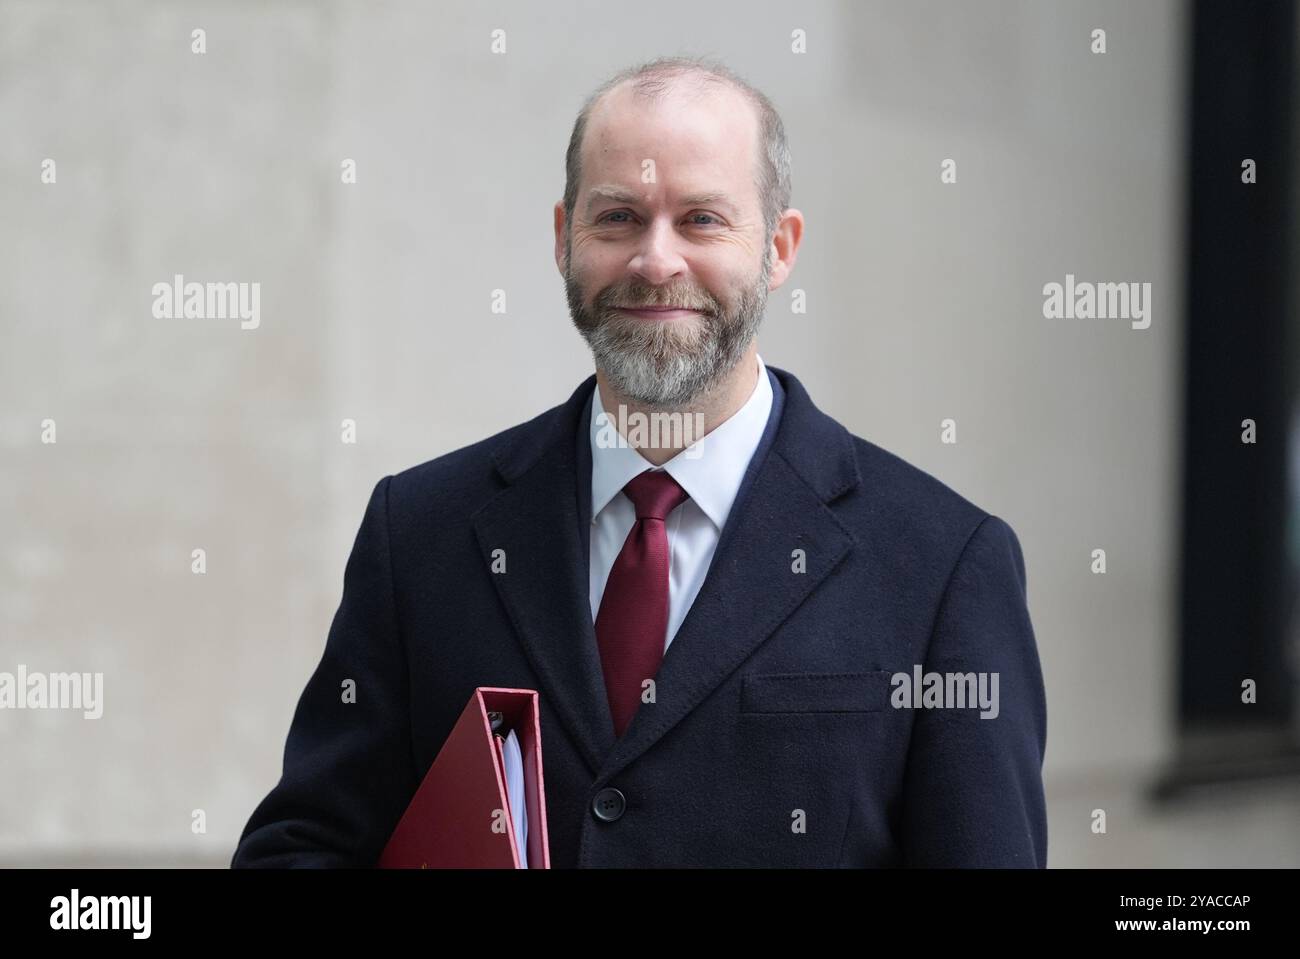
785, 247
559, 236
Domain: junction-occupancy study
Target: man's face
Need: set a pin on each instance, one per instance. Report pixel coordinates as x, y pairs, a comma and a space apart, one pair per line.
667, 280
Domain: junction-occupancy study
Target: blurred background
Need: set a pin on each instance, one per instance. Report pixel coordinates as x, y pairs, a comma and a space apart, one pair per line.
925, 301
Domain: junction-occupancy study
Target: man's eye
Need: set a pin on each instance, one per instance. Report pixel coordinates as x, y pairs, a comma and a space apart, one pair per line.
708, 218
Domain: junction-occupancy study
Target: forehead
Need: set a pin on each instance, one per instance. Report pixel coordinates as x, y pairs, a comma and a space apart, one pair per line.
698, 138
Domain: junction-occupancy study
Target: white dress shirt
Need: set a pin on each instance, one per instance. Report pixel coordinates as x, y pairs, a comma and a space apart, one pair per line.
711, 474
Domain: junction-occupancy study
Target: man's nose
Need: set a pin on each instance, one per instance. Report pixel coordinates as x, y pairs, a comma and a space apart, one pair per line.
657, 258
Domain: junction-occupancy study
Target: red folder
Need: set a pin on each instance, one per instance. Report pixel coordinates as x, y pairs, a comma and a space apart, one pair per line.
460, 816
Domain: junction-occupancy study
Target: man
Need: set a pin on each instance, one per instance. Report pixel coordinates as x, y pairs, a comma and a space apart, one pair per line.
725, 619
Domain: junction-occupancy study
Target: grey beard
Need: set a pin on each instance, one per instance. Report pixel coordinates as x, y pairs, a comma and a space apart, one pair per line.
660, 365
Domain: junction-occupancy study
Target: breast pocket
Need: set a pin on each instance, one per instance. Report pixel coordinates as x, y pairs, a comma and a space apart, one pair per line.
808, 746
861, 692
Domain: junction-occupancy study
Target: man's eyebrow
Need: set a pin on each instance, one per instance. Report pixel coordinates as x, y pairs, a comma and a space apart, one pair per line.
612, 193
617, 194
707, 199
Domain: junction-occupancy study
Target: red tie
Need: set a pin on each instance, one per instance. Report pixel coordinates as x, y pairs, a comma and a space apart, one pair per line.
632, 622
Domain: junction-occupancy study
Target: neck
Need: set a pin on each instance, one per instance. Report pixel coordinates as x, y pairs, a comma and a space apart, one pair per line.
698, 418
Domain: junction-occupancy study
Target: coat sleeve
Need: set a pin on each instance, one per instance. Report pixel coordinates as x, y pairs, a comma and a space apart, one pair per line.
348, 767
973, 787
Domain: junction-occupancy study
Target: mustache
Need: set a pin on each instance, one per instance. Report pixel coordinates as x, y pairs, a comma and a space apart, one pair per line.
639, 297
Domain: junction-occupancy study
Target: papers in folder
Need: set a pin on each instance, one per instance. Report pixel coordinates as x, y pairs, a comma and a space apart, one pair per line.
482, 804
518, 809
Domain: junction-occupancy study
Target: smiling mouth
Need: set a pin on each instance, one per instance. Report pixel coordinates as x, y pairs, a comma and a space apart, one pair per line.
658, 312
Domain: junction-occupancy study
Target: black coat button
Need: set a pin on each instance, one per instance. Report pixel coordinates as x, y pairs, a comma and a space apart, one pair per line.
608, 804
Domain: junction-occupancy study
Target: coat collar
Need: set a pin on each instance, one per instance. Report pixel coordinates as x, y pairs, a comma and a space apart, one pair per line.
542, 521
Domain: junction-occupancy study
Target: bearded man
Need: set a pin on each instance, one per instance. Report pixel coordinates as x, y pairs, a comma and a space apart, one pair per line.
715, 619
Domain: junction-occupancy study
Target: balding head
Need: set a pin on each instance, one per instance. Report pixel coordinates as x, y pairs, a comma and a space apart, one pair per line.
667, 80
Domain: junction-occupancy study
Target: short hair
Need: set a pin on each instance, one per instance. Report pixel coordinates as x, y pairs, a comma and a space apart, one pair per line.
653, 80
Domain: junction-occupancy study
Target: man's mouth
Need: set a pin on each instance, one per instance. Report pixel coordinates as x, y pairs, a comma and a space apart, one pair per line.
658, 312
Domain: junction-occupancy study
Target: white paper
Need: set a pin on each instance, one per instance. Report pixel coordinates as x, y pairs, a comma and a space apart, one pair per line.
514, 757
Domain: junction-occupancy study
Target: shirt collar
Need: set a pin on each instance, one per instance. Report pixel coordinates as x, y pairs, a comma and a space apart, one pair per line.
710, 470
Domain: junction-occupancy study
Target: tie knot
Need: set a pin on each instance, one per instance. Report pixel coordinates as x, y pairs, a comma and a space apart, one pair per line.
655, 494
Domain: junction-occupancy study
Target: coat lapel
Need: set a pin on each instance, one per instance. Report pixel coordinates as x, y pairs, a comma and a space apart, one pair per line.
751, 587
540, 519
535, 519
